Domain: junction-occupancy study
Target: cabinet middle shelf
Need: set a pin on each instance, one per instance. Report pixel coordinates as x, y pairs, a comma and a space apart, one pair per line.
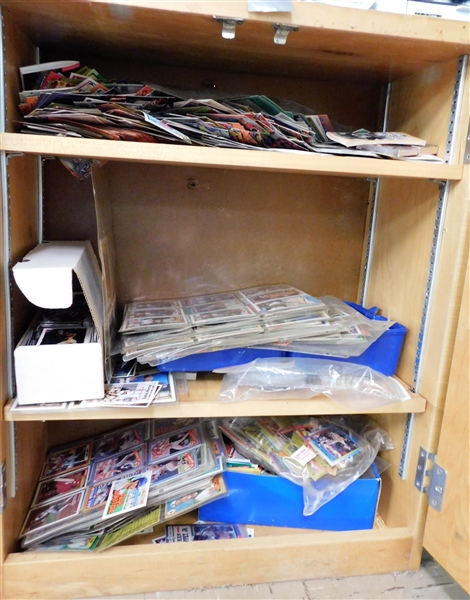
223, 158
201, 400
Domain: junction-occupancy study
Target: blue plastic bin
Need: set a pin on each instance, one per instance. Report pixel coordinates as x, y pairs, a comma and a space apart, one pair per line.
383, 355
273, 500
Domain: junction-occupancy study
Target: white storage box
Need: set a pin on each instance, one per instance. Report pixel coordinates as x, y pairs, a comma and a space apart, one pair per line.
60, 372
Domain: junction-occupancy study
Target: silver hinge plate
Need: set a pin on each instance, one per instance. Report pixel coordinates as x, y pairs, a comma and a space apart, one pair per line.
3, 487
436, 488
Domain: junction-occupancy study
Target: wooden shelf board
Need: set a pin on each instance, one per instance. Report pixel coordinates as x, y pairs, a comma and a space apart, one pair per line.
225, 158
202, 401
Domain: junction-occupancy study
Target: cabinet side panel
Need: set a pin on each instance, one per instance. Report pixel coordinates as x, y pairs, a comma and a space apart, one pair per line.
421, 104
400, 258
30, 449
444, 309
18, 51
187, 231
3, 382
449, 274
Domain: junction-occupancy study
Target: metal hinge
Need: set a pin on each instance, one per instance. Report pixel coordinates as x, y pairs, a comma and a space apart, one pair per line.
3, 487
436, 488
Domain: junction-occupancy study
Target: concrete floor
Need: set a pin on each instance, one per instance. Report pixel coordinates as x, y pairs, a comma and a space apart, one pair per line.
429, 583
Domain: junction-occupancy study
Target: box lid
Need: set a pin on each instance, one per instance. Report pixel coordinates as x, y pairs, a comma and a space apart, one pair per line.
45, 276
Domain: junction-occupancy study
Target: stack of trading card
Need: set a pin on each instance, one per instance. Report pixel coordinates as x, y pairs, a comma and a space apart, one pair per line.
271, 316
72, 325
220, 321
98, 485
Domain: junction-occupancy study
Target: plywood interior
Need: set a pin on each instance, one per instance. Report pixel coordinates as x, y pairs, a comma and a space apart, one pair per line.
187, 231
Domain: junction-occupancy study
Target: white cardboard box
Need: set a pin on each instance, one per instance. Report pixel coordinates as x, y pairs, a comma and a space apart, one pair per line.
60, 372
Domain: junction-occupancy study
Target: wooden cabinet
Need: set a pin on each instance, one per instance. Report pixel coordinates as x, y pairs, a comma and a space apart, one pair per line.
187, 219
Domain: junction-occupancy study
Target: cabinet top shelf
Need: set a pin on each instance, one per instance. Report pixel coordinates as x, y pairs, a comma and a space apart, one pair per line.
331, 41
223, 158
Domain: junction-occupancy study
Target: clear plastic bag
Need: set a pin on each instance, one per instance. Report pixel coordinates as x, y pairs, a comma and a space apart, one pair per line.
324, 455
356, 386
371, 439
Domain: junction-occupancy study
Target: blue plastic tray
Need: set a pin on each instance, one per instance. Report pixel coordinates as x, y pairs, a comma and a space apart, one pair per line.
273, 500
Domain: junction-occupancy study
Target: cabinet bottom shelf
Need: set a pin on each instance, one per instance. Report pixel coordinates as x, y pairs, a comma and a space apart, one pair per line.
273, 555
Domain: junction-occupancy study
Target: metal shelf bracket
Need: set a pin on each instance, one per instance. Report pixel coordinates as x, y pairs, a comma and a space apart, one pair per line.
229, 25
282, 30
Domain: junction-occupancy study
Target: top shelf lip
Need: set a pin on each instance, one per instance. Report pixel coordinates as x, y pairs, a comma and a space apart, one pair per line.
226, 158
331, 41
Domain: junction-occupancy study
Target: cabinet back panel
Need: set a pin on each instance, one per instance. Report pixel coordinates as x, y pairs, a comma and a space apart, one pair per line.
183, 231
317, 95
